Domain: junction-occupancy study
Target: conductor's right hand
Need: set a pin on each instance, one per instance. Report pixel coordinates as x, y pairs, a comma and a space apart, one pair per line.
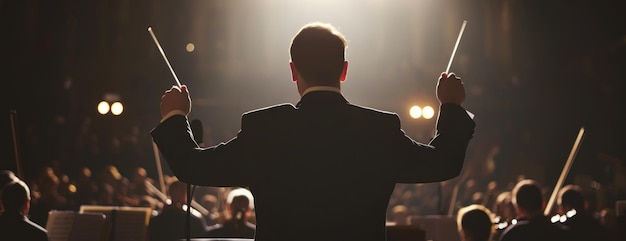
450, 89
176, 99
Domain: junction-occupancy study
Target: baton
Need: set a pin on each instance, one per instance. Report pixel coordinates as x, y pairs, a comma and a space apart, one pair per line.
163, 54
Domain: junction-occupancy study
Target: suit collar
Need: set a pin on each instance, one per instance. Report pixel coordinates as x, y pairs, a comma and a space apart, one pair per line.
319, 98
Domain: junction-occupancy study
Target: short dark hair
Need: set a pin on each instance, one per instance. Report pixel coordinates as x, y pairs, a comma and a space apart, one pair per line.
527, 195
572, 196
318, 53
476, 220
15, 195
6, 177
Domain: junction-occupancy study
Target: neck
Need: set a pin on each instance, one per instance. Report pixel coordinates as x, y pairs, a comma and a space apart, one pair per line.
321, 88
13, 213
530, 214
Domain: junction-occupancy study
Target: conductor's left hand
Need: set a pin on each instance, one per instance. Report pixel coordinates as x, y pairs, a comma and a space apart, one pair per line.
176, 99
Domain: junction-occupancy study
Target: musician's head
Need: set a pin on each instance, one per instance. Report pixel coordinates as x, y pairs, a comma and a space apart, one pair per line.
571, 197
475, 223
241, 201
16, 197
6, 177
318, 56
503, 207
178, 193
240, 192
528, 198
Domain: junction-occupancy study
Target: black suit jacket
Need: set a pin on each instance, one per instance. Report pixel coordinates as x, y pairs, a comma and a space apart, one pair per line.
17, 227
321, 170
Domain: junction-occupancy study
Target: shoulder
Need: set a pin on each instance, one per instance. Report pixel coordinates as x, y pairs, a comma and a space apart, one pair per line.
373, 116
271, 109
373, 111
37, 231
510, 233
268, 114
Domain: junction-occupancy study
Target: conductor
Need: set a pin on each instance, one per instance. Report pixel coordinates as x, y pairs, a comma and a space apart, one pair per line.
324, 155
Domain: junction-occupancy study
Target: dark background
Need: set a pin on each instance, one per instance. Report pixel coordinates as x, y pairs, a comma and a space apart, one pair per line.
535, 72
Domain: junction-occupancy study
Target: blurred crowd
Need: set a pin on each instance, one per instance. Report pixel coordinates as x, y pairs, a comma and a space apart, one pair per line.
117, 168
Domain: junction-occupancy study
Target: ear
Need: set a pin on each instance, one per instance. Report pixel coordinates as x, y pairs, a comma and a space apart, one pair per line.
344, 71
294, 72
26, 207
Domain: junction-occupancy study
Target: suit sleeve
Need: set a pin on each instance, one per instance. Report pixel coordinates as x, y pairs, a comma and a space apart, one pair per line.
222, 165
443, 157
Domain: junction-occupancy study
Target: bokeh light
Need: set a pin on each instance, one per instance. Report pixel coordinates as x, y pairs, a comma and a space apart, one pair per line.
415, 112
103, 107
117, 108
190, 47
428, 112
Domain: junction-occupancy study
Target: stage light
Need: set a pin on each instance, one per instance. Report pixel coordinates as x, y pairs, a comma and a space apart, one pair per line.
190, 47
117, 108
428, 112
415, 112
103, 107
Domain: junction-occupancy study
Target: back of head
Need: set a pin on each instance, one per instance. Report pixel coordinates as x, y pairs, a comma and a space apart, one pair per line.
503, 207
527, 195
14, 197
6, 177
400, 214
475, 223
571, 196
240, 196
318, 53
240, 203
178, 192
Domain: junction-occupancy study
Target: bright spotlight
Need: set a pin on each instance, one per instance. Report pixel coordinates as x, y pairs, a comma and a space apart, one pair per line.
190, 47
428, 112
103, 107
117, 108
555, 218
415, 112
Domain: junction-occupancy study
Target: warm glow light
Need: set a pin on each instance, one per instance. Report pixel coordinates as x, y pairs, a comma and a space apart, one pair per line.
555, 218
103, 107
190, 47
502, 225
117, 108
71, 188
571, 213
415, 112
428, 112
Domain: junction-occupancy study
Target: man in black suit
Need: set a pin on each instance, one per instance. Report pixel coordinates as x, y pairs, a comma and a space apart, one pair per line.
325, 168
532, 224
14, 220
